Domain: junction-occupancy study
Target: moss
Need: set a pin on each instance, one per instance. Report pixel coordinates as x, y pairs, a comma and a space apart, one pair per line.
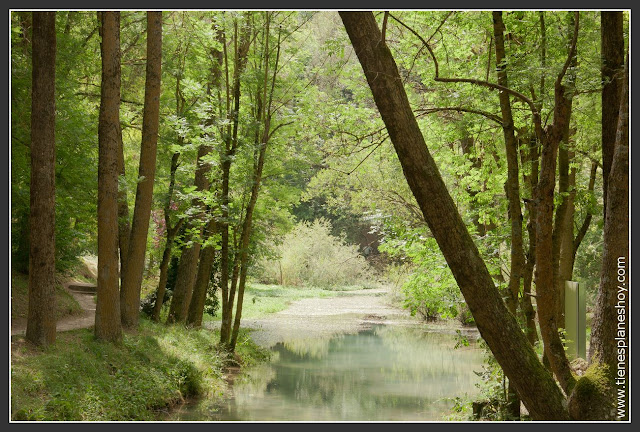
592, 397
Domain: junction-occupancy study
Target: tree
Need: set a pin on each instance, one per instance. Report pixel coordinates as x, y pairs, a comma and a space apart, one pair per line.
132, 280
41, 320
610, 331
498, 327
208, 251
263, 132
107, 320
612, 47
512, 188
242, 43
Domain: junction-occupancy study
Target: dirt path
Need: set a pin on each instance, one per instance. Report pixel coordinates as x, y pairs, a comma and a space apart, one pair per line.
84, 319
324, 317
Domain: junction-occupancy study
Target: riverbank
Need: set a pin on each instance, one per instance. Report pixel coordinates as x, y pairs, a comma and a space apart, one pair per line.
319, 314
82, 379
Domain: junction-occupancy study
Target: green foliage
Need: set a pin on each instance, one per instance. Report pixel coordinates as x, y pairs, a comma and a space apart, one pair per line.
430, 290
310, 256
76, 132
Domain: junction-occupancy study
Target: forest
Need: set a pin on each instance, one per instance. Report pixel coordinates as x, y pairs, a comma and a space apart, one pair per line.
218, 167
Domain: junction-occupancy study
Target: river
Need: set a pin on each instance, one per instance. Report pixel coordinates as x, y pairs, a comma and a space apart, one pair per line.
383, 367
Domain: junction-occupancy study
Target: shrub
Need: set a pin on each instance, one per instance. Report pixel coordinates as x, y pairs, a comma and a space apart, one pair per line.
429, 289
310, 256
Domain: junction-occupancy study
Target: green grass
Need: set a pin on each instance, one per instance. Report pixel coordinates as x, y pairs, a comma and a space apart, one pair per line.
82, 379
261, 300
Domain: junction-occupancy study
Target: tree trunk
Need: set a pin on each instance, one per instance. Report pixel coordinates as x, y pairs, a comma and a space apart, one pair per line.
124, 225
244, 245
41, 319
107, 320
562, 237
612, 48
228, 292
610, 322
512, 188
132, 281
207, 256
545, 269
609, 351
185, 279
171, 234
531, 155
498, 327
188, 267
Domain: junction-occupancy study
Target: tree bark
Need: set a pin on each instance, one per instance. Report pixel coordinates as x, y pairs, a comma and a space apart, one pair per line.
168, 247
124, 225
603, 394
531, 156
612, 302
186, 276
107, 321
132, 281
228, 292
512, 188
562, 237
545, 269
41, 319
207, 256
188, 268
498, 327
612, 68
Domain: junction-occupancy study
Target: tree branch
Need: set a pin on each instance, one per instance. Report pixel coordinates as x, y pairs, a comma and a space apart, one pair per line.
481, 83
488, 115
572, 50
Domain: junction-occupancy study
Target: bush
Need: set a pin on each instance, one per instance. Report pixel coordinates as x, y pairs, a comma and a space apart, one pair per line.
310, 256
429, 289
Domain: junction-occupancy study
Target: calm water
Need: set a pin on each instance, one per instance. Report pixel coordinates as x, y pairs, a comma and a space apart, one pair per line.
387, 373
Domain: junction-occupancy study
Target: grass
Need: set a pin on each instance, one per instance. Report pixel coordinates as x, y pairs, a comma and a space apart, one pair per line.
83, 379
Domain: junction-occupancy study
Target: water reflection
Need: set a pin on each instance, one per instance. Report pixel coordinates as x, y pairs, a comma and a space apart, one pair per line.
382, 374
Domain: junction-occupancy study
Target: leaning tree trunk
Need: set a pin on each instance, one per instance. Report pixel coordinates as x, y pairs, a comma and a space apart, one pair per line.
41, 319
132, 281
107, 320
498, 327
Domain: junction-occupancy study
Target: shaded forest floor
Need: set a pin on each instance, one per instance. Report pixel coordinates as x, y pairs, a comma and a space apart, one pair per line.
74, 309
